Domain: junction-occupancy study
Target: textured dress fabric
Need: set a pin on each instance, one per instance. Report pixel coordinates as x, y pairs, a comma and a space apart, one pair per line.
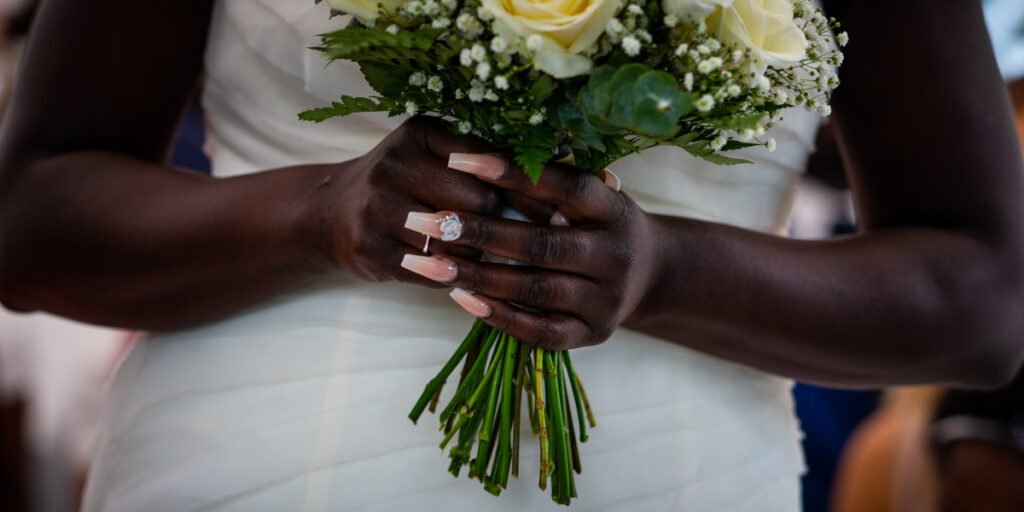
300, 403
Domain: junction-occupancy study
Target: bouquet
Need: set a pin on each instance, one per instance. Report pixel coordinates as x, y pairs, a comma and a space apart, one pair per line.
589, 81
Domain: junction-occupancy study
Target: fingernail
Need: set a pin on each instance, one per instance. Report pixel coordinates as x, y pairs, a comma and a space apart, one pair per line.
470, 303
435, 269
425, 223
558, 220
485, 166
611, 180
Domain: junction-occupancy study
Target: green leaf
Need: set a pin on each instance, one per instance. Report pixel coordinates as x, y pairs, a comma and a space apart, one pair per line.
718, 159
634, 99
387, 80
658, 105
542, 88
571, 119
345, 106
532, 159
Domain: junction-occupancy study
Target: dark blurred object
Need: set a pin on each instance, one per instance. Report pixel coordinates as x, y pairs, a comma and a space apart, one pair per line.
13, 455
828, 417
19, 21
978, 439
189, 151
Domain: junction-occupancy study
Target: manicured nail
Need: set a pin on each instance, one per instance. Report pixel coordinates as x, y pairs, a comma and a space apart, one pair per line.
435, 269
611, 180
470, 303
558, 220
425, 223
485, 166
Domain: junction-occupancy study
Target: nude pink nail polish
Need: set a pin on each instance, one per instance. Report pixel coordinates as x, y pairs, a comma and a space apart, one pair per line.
470, 303
611, 180
435, 269
425, 223
485, 166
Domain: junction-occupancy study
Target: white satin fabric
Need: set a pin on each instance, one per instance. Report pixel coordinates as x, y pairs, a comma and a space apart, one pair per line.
300, 403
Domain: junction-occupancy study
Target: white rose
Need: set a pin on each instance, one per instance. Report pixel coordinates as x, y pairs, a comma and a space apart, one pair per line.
698, 9
766, 27
563, 29
364, 10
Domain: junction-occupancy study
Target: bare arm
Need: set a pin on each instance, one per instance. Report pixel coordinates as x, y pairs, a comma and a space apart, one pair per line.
95, 227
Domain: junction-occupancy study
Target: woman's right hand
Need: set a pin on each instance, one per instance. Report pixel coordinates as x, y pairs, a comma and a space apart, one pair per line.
362, 207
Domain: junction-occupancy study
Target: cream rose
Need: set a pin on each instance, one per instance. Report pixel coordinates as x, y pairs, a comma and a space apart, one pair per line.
764, 26
364, 10
697, 9
558, 31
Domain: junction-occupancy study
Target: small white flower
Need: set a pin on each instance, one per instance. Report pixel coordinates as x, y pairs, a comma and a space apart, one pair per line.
435, 84
737, 56
770, 145
718, 143
476, 93
671, 21
688, 81
533, 42
441, 23
759, 131
536, 118
468, 25
643, 35
762, 83
781, 97
431, 8
825, 109
465, 58
709, 65
499, 44
733, 90
631, 46
483, 70
635, 10
392, 29
490, 95
614, 27
682, 49
705, 103
450, 4
501, 82
745, 134
703, 48
410, 108
478, 52
464, 127
417, 79
459, 94
484, 14
414, 8
714, 45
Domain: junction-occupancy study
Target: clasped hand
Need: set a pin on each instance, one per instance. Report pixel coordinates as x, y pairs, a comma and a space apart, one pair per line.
583, 273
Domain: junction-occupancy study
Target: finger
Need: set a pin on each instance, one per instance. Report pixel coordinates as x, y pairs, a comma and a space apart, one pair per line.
562, 248
580, 196
550, 331
414, 241
433, 137
525, 286
537, 211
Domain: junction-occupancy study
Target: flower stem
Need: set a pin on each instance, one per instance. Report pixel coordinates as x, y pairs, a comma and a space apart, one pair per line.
434, 386
524, 354
542, 428
581, 394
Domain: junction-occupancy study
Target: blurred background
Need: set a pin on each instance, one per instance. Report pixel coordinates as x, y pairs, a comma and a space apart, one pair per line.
900, 450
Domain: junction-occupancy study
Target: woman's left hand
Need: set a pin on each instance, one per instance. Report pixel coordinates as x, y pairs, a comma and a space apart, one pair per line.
583, 274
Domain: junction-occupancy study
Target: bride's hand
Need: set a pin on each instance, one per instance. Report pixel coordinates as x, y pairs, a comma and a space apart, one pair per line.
588, 270
363, 210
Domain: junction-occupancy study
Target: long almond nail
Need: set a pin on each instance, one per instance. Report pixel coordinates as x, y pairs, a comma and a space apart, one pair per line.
611, 180
485, 166
435, 269
425, 223
470, 303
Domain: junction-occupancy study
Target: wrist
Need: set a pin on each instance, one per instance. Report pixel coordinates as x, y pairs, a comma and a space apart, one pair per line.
660, 295
316, 224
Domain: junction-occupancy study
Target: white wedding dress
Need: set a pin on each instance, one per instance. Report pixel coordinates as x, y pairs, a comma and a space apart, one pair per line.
300, 403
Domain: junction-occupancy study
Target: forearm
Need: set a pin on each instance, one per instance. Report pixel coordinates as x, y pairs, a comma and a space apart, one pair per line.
113, 240
894, 306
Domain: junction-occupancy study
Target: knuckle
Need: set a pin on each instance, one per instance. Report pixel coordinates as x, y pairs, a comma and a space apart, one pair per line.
622, 209
544, 248
536, 291
577, 186
478, 233
550, 337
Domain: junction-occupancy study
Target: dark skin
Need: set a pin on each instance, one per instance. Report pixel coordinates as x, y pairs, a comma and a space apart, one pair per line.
94, 227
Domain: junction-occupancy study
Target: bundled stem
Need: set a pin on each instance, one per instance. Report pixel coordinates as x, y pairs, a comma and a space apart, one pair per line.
498, 374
